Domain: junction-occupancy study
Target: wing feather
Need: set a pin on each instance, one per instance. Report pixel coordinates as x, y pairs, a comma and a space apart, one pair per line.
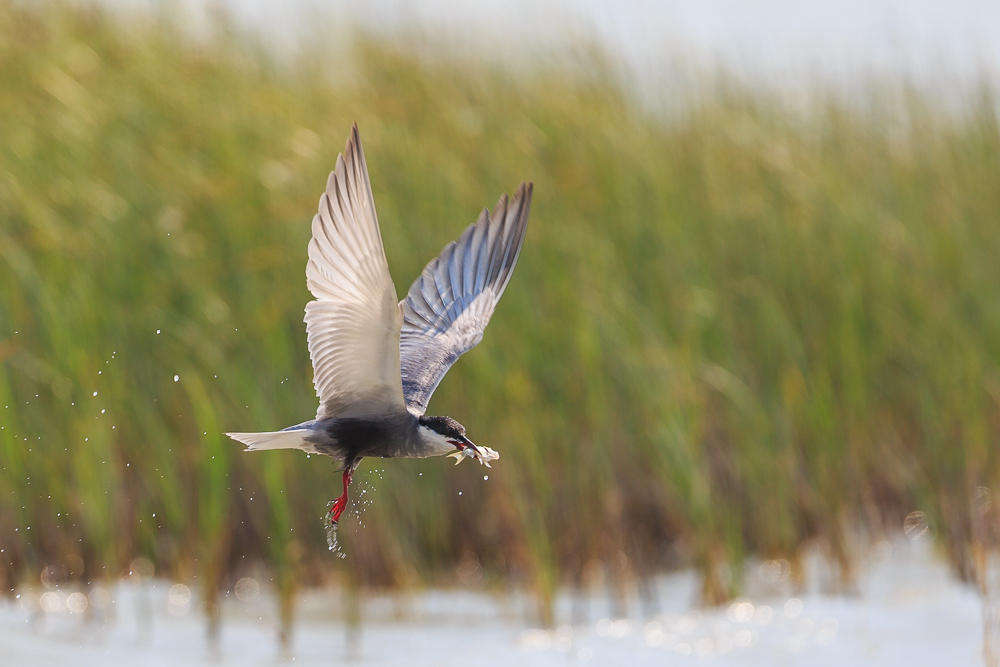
353, 325
449, 306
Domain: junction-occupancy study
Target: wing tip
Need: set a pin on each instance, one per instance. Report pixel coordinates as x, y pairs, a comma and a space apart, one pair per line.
353, 147
523, 193
522, 198
351, 153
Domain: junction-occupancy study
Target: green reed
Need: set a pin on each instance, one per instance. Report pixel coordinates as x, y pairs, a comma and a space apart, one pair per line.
731, 331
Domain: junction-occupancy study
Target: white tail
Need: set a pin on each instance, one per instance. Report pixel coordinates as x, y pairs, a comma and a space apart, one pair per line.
274, 440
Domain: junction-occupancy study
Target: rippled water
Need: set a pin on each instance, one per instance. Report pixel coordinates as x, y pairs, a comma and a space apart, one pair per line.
908, 611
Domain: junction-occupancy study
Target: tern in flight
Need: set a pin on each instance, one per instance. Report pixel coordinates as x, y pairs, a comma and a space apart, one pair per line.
377, 361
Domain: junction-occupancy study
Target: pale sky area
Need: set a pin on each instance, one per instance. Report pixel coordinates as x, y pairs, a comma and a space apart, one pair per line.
778, 41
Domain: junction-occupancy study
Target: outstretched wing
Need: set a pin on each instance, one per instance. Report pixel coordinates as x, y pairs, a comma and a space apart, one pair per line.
353, 325
450, 304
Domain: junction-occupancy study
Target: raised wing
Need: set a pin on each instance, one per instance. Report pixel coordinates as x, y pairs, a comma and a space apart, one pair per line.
353, 325
450, 304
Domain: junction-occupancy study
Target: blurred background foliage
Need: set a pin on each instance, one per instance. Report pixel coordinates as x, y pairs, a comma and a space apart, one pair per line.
733, 330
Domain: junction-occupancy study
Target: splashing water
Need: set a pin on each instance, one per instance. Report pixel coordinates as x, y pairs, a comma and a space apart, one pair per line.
331, 534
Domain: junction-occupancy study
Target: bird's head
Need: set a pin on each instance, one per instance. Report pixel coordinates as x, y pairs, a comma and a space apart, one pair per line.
446, 432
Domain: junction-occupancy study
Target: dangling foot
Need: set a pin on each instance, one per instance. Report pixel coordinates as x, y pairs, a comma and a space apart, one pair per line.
337, 508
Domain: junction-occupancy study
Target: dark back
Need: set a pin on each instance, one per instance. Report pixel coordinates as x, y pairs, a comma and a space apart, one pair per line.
350, 438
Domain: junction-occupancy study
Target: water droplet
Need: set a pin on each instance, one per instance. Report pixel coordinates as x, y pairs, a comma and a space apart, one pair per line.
915, 526
331, 538
773, 571
247, 589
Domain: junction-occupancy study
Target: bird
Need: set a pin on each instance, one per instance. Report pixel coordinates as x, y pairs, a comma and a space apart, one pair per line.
377, 361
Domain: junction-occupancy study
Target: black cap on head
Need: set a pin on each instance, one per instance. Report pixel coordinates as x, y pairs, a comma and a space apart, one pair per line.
446, 426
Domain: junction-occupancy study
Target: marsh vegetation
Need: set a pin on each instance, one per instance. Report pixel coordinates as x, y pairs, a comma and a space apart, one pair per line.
734, 329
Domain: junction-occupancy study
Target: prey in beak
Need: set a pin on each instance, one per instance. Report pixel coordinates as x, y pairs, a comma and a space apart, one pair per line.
466, 448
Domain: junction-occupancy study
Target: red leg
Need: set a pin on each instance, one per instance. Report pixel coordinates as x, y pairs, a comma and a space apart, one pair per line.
340, 504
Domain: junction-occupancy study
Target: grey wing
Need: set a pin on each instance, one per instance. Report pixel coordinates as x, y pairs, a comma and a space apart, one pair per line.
450, 304
353, 325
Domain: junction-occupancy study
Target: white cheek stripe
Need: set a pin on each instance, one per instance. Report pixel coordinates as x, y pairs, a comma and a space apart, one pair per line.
436, 440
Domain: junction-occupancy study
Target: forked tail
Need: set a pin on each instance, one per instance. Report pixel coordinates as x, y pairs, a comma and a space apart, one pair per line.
293, 439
